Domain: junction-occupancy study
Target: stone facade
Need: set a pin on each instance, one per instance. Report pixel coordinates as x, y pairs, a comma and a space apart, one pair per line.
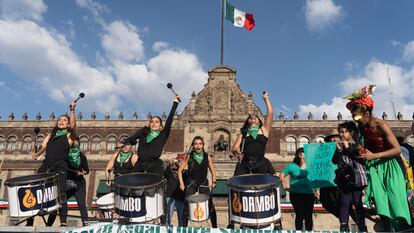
217, 111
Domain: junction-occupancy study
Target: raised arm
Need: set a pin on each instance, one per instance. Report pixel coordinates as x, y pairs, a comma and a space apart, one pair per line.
212, 171
180, 174
269, 117
133, 138
42, 147
170, 118
72, 118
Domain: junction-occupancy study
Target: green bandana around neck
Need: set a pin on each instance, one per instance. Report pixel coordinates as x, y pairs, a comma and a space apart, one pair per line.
253, 131
198, 157
59, 133
123, 156
74, 157
152, 134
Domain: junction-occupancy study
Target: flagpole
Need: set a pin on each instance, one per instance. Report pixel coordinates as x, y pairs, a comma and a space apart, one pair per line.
222, 33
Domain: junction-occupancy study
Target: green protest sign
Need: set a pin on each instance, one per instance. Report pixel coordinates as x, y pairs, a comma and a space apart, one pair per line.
319, 164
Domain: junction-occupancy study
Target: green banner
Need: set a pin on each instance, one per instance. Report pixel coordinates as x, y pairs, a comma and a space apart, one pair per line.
146, 228
319, 164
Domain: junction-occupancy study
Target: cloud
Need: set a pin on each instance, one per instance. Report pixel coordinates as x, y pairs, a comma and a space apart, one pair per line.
22, 9
44, 58
159, 46
409, 52
321, 14
375, 72
122, 42
95, 8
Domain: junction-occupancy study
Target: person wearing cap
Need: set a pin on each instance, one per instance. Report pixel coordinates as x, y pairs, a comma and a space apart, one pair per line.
329, 196
386, 184
122, 162
175, 196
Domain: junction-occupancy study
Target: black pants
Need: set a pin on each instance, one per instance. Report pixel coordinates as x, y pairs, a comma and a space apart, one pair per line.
303, 205
347, 199
330, 201
59, 168
156, 166
80, 196
262, 167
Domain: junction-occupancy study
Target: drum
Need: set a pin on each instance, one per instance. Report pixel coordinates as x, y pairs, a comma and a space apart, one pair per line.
254, 199
139, 197
198, 207
106, 206
29, 194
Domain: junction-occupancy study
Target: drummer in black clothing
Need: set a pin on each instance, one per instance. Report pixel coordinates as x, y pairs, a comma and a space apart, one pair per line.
76, 183
57, 145
122, 162
198, 162
151, 142
250, 145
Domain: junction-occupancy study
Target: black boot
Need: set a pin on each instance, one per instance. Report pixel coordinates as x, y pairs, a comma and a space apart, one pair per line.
344, 227
362, 228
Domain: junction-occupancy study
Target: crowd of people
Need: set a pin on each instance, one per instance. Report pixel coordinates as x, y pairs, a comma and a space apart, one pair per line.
370, 168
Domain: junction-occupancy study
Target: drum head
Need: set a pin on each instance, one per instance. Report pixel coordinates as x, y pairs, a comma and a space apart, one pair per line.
107, 199
253, 181
197, 198
138, 184
32, 179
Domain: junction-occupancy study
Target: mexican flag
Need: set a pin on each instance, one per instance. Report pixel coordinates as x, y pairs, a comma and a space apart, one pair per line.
239, 18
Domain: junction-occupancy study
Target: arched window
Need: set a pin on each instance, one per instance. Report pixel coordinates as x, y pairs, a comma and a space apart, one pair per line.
84, 143
39, 140
12, 143
96, 143
303, 141
291, 144
123, 137
2, 143
27, 144
320, 139
111, 143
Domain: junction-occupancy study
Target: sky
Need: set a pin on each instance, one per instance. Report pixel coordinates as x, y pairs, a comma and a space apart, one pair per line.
121, 54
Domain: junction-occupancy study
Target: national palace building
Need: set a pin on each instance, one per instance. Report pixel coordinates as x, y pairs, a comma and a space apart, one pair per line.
216, 113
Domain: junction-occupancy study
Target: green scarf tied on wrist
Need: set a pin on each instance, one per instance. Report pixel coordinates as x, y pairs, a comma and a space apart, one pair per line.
123, 156
253, 131
74, 158
152, 134
198, 157
59, 133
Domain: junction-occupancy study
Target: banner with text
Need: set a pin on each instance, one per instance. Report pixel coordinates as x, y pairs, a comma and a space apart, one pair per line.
319, 164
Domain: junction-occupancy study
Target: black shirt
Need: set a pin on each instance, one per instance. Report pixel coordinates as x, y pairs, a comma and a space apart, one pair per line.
173, 185
254, 150
151, 151
126, 168
57, 150
196, 171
